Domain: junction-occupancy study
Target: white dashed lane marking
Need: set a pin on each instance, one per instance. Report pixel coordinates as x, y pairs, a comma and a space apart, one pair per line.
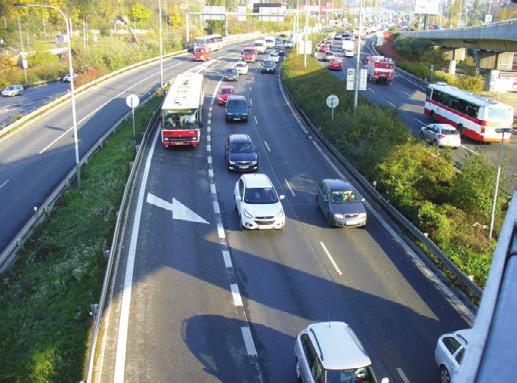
331, 259
236, 295
402, 375
227, 259
390, 103
267, 146
255, 118
4, 183
248, 341
290, 188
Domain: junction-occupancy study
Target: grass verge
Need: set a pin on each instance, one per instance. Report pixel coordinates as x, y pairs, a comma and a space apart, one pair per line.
46, 296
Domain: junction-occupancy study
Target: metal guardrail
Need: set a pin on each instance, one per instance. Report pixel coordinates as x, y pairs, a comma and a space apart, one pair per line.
396, 216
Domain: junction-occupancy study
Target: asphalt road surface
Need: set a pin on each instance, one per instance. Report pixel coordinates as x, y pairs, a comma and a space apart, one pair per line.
196, 299
35, 159
32, 99
409, 97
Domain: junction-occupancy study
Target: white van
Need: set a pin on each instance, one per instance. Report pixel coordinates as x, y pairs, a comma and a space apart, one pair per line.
348, 48
260, 46
270, 42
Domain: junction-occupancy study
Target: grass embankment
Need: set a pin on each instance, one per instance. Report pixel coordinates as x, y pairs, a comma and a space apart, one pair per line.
45, 298
416, 178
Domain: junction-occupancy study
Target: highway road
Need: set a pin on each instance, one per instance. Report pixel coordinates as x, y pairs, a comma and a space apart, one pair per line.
35, 159
409, 97
32, 99
196, 299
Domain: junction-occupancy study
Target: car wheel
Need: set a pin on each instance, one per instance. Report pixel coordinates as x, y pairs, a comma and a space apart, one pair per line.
445, 377
298, 370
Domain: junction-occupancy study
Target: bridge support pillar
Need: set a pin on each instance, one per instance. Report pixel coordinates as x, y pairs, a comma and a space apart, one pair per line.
452, 66
496, 60
455, 55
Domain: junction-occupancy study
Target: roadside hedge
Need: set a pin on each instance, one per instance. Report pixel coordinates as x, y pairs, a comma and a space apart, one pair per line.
419, 180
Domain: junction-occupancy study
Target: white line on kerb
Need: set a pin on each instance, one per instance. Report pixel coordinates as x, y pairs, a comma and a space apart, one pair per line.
248, 341
402, 375
120, 362
267, 146
255, 118
290, 188
329, 256
236, 295
4, 183
390, 103
227, 259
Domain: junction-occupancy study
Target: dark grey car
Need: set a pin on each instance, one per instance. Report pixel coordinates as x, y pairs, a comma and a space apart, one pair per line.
231, 74
240, 153
340, 203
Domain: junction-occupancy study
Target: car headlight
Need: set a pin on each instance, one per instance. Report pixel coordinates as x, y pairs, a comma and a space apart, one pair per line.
231, 162
338, 216
362, 215
254, 162
247, 214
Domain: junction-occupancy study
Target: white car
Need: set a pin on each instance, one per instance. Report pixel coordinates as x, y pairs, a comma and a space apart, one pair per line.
242, 67
258, 203
329, 56
270, 42
288, 43
66, 78
273, 56
449, 352
260, 46
441, 135
331, 352
12, 90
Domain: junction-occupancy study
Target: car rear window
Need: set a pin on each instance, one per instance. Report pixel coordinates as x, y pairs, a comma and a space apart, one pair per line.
450, 132
239, 103
343, 196
227, 91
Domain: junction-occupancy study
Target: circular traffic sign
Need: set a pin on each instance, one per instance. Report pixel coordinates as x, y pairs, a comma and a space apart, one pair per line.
132, 101
332, 101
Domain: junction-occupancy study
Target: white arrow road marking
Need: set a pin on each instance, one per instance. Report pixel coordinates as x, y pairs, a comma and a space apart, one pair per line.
178, 210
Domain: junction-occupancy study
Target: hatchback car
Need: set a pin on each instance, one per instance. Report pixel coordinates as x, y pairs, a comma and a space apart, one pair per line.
268, 66
449, 353
226, 91
242, 67
236, 108
240, 153
258, 203
441, 135
340, 203
335, 65
12, 90
328, 56
273, 56
230, 74
329, 352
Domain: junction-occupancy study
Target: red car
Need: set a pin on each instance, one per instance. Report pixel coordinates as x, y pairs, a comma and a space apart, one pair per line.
226, 91
324, 48
335, 65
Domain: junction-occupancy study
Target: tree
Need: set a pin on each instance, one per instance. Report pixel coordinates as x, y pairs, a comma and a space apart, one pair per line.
140, 13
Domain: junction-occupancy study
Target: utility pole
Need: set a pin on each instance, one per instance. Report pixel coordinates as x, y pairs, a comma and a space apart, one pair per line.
161, 42
305, 34
358, 57
21, 36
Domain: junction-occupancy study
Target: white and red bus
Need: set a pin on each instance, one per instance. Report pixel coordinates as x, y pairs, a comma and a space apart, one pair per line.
182, 111
213, 42
475, 117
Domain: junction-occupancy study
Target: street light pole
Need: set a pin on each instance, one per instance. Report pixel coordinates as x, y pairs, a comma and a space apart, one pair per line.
72, 87
305, 33
161, 42
496, 189
358, 57
21, 36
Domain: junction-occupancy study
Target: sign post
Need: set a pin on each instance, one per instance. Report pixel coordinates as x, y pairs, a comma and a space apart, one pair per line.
132, 101
350, 78
332, 103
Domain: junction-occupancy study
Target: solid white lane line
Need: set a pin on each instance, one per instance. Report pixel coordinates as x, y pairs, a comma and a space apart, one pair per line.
255, 118
120, 362
220, 231
251, 102
227, 259
248, 341
419, 121
390, 103
215, 92
329, 256
402, 375
290, 188
4, 183
211, 173
267, 146
236, 295
217, 210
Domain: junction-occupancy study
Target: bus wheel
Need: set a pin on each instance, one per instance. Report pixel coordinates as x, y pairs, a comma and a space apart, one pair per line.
460, 130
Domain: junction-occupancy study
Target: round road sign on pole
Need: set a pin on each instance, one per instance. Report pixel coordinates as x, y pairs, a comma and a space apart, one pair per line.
332, 103
132, 101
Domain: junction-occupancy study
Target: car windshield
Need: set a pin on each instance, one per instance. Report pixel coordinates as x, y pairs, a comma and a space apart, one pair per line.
260, 195
185, 119
248, 51
240, 65
231, 71
450, 132
360, 375
269, 63
343, 196
237, 103
227, 91
241, 147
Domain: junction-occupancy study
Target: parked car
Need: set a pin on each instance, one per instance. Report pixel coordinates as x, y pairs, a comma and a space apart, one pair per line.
340, 203
226, 91
242, 67
66, 78
441, 135
335, 65
273, 56
268, 66
236, 108
12, 90
258, 203
331, 352
240, 153
230, 74
449, 353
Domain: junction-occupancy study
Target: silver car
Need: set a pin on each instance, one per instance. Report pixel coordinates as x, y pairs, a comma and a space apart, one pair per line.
441, 135
13, 90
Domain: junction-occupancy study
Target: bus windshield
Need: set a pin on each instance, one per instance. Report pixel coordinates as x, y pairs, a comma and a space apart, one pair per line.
500, 114
180, 119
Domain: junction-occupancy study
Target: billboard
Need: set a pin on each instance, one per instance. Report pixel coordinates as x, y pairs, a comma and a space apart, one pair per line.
274, 14
256, 6
213, 12
427, 7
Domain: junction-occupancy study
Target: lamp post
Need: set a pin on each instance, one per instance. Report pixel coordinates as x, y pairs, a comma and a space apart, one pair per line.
497, 178
161, 42
358, 58
72, 88
305, 34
